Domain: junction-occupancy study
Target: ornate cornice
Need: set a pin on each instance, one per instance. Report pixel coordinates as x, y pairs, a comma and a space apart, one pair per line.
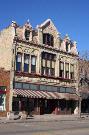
18, 40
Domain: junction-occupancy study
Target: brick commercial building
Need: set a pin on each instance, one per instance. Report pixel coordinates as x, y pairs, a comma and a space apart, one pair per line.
43, 69
4, 91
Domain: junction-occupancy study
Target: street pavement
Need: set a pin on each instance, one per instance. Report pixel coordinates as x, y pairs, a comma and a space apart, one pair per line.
46, 125
59, 127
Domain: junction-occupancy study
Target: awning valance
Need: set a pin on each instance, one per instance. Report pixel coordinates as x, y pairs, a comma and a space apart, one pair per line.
44, 94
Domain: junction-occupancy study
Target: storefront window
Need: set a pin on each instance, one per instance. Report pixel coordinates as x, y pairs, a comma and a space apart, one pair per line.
34, 87
26, 86
54, 88
70, 90
2, 102
62, 90
43, 87
18, 85
2, 98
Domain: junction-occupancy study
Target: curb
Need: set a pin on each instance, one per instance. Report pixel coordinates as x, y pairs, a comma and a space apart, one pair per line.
31, 121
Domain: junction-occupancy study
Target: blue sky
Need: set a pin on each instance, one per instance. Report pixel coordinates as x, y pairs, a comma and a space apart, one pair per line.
69, 16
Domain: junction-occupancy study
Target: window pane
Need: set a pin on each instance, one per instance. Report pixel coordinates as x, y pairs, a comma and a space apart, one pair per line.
43, 71
33, 60
67, 74
48, 63
27, 34
26, 58
33, 69
18, 61
18, 66
19, 57
44, 38
70, 90
25, 86
43, 87
71, 68
26, 62
3, 88
49, 88
48, 39
61, 66
62, 73
43, 63
51, 40
67, 46
67, 67
62, 90
47, 71
71, 75
18, 85
33, 87
53, 64
2, 102
54, 88
26, 67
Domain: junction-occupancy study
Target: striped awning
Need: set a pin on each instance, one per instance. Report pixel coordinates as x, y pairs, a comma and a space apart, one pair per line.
44, 94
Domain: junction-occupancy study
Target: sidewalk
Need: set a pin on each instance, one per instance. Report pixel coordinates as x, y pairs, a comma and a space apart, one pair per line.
44, 118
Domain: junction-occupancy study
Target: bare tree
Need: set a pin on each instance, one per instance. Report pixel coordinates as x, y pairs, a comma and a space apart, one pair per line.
83, 80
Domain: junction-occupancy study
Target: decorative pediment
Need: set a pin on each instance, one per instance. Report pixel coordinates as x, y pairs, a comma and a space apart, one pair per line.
49, 28
48, 24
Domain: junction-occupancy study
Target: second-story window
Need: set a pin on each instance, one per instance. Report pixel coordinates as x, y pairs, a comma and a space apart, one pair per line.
71, 71
27, 34
48, 64
26, 62
19, 62
61, 69
67, 70
48, 39
33, 64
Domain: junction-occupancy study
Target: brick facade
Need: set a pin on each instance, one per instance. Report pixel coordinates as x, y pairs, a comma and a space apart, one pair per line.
5, 81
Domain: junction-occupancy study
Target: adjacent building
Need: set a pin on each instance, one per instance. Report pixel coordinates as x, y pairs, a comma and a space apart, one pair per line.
83, 84
42, 69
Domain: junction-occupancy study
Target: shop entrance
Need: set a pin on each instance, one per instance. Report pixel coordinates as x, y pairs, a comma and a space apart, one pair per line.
50, 105
43, 106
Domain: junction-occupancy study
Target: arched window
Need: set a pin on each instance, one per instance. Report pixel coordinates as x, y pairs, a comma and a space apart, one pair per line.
27, 34
48, 39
